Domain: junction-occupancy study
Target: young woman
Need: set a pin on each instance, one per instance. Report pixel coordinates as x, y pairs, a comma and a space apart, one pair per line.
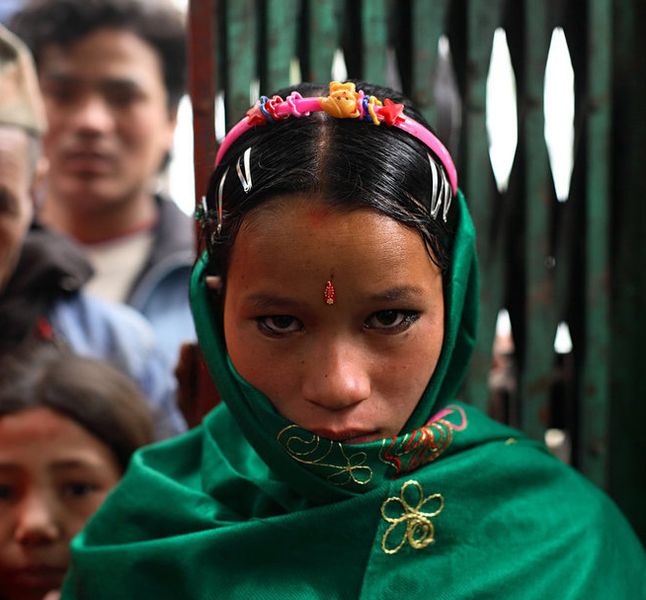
336, 307
68, 426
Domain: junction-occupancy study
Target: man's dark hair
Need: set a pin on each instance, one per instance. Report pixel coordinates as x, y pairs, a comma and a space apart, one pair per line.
43, 23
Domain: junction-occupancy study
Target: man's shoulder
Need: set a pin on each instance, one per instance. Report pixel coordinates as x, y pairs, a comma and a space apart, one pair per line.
121, 336
95, 326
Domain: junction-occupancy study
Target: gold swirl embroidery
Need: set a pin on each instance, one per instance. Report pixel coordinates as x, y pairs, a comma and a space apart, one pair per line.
418, 529
326, 454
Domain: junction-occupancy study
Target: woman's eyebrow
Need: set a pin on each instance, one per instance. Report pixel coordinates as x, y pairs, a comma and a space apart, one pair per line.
266, 301
403, 293
400, 293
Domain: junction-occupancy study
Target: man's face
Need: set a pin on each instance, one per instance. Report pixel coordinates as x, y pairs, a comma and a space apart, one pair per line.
109, 122
15, 200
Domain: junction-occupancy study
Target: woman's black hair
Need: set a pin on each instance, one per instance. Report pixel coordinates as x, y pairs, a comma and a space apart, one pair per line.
345, 163
102, 400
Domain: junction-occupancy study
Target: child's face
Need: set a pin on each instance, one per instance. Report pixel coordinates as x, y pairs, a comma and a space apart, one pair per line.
53, 476
354, 370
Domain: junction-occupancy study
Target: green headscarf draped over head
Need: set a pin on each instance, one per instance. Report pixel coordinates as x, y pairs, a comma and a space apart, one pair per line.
321, 469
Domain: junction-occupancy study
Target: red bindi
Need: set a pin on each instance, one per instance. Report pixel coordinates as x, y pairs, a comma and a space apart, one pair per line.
329, 294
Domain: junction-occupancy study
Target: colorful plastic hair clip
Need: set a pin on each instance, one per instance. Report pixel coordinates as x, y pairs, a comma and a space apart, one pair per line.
343, 102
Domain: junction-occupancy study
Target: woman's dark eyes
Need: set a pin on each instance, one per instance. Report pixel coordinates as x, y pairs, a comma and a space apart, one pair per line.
383, 321
279, 324
392, 321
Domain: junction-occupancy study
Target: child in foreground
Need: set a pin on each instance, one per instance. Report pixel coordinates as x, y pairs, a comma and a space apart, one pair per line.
68, 426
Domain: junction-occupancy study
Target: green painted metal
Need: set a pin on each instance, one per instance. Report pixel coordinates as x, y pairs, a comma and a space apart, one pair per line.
241, 37
606, 204
480, 189
627, 478
428, 24
374, 25
594, 397
324, 38
540, 315
282, 29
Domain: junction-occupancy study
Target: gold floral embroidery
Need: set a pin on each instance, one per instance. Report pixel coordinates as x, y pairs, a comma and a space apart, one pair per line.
423, 445
413, 523
326, 454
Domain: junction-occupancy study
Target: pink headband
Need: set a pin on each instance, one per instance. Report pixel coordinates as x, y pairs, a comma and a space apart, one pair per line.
344, 102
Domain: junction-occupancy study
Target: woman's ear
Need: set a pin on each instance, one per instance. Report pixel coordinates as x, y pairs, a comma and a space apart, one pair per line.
213, 282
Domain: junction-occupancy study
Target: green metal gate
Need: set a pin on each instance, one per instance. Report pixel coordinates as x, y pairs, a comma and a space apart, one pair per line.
579, 262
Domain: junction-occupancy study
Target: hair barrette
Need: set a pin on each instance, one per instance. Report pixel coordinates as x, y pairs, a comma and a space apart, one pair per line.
218, 229
343, 102
245, 177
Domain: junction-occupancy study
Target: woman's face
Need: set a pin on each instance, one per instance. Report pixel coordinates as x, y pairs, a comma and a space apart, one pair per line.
53, 476
351, 371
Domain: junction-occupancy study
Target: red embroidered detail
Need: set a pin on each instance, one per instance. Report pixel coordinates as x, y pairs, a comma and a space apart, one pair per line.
329, 294
422, 445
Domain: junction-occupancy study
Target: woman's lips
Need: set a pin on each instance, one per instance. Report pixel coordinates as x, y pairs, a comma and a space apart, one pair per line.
348, 436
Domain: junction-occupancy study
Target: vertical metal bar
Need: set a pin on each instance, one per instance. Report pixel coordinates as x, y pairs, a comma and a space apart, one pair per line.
241, 49
628, 317
478, 183
202, 36
539, 314
200, 395
374, 33
282, 21
594, 408
324, 28
428, 23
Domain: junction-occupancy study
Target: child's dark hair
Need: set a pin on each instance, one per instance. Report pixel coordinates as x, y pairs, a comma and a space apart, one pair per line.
102, 400
346, 163
42, 23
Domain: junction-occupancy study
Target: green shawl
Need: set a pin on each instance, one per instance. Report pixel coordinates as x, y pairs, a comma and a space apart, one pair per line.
248, 505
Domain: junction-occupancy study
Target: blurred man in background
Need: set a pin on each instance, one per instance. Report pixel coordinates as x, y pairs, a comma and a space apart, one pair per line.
42, 273
112, 73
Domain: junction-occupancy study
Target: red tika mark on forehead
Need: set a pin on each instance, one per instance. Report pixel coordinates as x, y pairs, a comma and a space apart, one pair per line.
329, 294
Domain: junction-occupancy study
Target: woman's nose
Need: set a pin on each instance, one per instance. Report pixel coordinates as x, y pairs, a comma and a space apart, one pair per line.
336, 377
36, 522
